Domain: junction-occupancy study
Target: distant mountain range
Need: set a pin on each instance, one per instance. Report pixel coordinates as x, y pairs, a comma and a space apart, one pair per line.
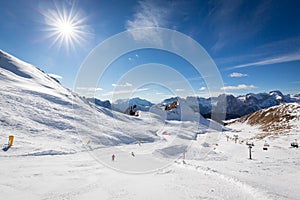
122, 104
241, 105
236, 106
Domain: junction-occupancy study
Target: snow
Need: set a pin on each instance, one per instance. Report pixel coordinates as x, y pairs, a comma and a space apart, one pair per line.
122, 104
64, 143
272, 174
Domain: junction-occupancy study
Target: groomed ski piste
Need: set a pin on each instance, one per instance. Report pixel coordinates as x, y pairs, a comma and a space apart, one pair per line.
63, 147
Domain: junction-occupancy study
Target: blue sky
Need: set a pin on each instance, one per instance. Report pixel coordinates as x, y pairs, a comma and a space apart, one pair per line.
255, 44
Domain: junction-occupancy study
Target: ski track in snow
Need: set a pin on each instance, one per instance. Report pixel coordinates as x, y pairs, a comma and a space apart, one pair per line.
257, 194
78, 176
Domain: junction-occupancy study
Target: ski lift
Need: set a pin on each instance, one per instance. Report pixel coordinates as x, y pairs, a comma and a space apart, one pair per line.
295, 144
250, 144
236, 137
266, 146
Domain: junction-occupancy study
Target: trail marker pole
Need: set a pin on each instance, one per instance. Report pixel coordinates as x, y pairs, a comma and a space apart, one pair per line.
250, 156
11, 140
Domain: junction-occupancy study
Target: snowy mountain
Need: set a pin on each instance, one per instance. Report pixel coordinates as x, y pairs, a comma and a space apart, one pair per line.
241, 105
64, 142
122, 104
235, 106
281, 119
98, 102
47, 118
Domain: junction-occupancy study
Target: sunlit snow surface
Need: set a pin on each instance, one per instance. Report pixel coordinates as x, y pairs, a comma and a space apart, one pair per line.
59, 153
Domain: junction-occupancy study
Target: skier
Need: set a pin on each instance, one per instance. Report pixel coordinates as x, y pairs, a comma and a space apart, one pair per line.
113, 157
132, 154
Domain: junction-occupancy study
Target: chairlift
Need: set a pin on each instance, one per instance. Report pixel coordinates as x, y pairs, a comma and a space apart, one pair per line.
250, 144
295, 144
266, 145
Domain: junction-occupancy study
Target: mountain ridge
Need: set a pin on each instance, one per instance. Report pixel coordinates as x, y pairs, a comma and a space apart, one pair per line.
273, 121
236, 106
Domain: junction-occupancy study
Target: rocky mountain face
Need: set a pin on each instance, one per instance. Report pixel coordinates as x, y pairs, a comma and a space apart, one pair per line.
241, 105
226, 106
275, 120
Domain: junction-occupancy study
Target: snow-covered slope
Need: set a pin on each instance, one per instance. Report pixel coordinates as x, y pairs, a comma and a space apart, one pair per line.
281, 119
47, 118
49, 122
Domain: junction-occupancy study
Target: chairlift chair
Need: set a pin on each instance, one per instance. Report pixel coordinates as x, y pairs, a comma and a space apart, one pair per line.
266, 146
295, 144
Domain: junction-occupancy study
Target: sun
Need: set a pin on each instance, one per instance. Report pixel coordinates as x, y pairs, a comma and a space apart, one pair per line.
66, 27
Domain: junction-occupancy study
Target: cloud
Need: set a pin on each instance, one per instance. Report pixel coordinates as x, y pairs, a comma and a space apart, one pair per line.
202, 88
270, 61
227, 20
238, 87
55, 76
118, 92
148, 14
89, 89
237, 75
179, 90
122, 85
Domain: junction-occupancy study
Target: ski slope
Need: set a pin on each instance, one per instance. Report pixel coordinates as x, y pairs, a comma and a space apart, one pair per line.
224, 173
64, 143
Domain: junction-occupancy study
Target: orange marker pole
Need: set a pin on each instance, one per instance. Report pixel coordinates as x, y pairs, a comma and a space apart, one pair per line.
11, 140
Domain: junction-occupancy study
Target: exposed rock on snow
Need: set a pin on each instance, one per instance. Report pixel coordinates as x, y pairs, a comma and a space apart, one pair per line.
275, 120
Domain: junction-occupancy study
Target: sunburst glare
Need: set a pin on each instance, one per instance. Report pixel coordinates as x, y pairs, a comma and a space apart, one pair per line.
66, 27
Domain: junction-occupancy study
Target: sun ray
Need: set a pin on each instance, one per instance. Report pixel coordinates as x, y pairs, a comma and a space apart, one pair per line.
66, 27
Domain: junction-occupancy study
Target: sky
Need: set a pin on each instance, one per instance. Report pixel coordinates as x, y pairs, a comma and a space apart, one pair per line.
255, 45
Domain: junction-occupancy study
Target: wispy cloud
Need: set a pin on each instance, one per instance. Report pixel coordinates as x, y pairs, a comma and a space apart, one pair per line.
237, 75
296, 82
179, 90
89, 89
119, 92
270, 61
122, 85
280, 46
239, 87
231, 23
159, 93
136, 56
202, 88
55, 76
148, 14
